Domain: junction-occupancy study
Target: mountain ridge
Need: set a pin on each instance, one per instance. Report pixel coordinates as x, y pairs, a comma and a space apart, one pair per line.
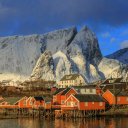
52, 55
120, 55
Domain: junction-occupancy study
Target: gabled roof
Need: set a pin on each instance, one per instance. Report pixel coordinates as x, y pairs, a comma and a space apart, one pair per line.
84, 86
65, 91
58, 91
12, 100
70, 77
2, 100
118, 92
111, 86
113, 80
122, 93
115, 92
79, 88
38, 98
47, 99
89, 98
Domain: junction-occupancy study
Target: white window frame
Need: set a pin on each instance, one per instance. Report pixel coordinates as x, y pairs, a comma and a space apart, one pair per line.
118, 98
100, 103
86, 103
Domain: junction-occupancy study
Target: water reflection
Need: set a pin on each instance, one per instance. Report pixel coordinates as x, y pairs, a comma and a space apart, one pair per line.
119, 122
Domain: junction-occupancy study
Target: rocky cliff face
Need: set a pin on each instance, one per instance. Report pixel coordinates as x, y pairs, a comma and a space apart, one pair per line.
52, 55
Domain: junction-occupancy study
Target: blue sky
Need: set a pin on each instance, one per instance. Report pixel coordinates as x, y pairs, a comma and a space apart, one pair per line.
107, 18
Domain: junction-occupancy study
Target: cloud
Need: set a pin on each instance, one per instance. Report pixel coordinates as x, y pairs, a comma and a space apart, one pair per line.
38, 16
106, 35
113, 39
124, 44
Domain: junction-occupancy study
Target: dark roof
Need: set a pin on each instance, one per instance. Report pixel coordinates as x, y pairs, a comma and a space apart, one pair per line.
122, 93
89, 98
48, 99
117, 80
84, 86
78, 88
111, 86
70, 77
38, 98
2, 100
59, 90
12, 100
113, 80
114, 92
65, 91
118, 92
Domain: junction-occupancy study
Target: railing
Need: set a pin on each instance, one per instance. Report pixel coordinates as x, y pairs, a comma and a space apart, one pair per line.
64, 107
56, 106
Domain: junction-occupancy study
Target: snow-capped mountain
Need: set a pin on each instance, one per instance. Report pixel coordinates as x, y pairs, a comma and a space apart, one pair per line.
121, 55
52, 55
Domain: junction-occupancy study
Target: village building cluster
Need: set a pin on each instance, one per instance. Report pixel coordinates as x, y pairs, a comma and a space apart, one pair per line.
73, 94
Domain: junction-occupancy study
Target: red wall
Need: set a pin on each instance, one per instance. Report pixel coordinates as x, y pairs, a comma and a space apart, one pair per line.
92, 106
64, 97
109, 97
81, 105
35, 104
122, 100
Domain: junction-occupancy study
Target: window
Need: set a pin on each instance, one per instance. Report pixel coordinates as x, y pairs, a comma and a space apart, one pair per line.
68, 104
62, 102
101, 103
85, 90
54, 98
118, 99
86, 103
91, 90
31, 102
75, 103
92, 102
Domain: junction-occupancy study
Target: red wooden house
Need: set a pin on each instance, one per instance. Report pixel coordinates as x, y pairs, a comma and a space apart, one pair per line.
35, 102
48, 104
61, 95
57, 98
84, 102
66, 93
14, 102
117, 97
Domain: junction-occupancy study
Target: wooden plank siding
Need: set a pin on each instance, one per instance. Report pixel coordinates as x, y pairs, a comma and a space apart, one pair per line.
73, 103
66, 95
109, 97
118, 99
33, 103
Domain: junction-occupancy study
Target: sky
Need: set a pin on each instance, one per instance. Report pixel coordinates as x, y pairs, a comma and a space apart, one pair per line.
107, 18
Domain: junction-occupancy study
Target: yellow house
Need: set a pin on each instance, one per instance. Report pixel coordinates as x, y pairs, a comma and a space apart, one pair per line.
71, 80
